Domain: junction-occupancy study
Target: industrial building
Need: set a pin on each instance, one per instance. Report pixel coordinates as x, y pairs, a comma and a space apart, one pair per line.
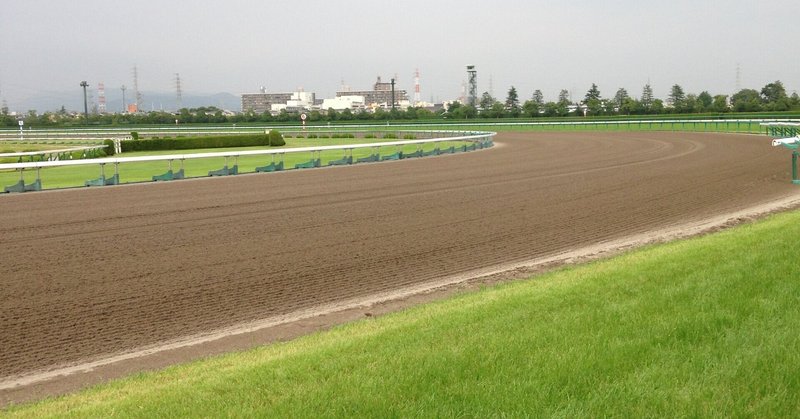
340, 103
274, 102
380, 95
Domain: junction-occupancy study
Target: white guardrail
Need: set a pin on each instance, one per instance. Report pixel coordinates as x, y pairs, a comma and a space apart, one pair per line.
51, 152
476, 136
94, 133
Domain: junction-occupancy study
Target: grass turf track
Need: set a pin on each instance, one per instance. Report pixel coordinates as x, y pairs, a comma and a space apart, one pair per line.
75, 176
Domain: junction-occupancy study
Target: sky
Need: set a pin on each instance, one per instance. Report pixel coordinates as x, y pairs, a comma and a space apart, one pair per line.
47, 47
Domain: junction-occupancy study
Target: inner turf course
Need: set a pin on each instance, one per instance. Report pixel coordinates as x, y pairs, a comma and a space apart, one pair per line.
89, 273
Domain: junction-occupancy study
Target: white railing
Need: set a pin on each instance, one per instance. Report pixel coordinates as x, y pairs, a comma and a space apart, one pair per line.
479, 140
470, 137
51, 152
94, 133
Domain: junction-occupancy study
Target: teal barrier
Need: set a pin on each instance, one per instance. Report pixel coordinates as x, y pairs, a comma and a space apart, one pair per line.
22, 187
434, 152
393, 156
225, 171
309, 164
103, 181
415, 154
170, 175
369, 159
341, 162
779, 131
450, 150
272, 167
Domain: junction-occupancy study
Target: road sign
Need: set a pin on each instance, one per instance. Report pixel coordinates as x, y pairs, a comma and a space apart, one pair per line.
21, 122
303, 116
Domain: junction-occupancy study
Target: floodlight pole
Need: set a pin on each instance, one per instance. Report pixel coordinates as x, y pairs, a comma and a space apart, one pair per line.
392, 94
472, 77
85, 102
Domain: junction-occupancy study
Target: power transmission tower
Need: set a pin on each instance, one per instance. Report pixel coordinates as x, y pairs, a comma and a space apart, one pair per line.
124, 104
4, 106
101, 97
416, 87
738, 78
178, 91
136, 92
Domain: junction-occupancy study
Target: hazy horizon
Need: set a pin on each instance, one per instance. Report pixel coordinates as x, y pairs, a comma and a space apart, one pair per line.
49, 47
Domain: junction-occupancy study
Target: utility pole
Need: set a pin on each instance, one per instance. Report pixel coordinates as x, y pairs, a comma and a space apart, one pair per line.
85, 101
124, 105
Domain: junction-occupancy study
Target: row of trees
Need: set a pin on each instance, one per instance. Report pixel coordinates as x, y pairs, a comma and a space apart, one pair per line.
772, 97
211, 115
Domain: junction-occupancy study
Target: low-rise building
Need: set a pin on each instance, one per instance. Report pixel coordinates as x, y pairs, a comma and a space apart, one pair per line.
380, 95
340, 103
274, 102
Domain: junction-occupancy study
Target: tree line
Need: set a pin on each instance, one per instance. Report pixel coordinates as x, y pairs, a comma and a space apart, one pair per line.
772, 98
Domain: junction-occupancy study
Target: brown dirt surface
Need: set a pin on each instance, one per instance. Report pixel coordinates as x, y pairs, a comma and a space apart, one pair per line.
135, 271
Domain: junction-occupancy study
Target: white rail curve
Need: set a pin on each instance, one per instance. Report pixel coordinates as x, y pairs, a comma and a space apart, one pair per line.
472, 136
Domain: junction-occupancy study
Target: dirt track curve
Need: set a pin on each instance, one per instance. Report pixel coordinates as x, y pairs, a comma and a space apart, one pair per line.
92, 272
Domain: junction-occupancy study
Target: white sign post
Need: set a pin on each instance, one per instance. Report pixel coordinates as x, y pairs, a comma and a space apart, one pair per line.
21, 123
303, 117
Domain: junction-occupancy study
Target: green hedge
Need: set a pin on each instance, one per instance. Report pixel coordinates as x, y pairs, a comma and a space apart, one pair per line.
274, 138
109, 147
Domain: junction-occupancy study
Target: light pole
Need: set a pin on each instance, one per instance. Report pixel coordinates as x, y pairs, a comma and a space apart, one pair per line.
85, 102
392, 94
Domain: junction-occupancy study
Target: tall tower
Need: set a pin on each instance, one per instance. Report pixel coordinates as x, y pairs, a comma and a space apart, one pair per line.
124, 104
136, 92
178, 91
472, 80
101, 97
92, 102
738, 78
416, 87
4, 104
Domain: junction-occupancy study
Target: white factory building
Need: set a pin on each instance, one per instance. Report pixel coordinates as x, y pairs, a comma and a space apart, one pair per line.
341, 103
380, 97
298, 101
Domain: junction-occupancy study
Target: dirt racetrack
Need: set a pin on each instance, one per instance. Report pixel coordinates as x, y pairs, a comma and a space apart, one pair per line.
89, 273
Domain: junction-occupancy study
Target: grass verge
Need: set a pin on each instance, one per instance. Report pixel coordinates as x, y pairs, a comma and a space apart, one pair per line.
76, 176
702, 327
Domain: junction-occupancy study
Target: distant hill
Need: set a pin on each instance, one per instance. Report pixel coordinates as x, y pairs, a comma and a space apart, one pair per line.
73, 101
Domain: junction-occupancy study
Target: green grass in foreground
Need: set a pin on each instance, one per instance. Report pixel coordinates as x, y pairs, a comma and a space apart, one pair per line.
703, 327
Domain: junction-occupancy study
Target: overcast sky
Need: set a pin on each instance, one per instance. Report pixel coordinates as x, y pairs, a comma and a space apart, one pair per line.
236, 46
